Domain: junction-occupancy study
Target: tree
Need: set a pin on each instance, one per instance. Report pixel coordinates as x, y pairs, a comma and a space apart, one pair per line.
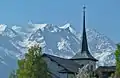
33, 65
117, 55
13, 74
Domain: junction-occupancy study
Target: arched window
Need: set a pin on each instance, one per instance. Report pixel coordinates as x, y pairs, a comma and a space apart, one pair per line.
91, 67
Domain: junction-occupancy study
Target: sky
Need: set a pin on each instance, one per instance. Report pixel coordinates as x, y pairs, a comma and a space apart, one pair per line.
102, 15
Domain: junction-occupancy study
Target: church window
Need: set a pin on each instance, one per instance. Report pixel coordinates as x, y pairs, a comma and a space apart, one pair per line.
82, 65
91, 67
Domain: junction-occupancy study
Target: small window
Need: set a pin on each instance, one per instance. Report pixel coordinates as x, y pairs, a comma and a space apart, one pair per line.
82, 65
91, 67
88, 68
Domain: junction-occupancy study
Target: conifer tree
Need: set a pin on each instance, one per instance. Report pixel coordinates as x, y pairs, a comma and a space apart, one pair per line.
33, 65
117, 55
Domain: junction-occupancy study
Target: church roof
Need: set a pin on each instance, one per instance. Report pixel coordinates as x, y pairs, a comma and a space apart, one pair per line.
105, 68
67, 64
84, 54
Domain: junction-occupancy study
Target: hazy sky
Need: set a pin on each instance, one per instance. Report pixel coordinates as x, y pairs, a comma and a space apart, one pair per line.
102, 15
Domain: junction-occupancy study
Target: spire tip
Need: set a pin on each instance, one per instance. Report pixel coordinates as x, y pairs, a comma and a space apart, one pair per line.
84, 7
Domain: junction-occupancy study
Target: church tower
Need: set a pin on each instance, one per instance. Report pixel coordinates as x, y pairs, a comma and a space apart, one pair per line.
84, 57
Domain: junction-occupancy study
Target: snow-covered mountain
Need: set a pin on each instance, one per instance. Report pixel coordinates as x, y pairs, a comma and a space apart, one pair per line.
62, 41
8, 49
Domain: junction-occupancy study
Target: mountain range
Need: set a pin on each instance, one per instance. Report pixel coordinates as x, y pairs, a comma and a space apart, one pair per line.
62, 41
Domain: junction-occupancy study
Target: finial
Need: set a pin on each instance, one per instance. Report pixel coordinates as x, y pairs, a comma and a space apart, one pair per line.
84, 7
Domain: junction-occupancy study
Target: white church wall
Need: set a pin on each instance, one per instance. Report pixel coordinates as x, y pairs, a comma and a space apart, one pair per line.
92, 64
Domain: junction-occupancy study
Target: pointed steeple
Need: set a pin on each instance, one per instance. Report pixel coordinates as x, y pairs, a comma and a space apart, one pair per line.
84, 54
84, 37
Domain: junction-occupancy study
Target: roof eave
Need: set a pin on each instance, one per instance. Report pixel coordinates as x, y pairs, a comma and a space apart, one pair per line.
83, 59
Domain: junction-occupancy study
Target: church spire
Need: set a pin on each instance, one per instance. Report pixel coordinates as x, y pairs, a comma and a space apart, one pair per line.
84, 54
84, 37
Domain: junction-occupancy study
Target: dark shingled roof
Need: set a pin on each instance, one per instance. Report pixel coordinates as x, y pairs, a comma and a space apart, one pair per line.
106, 68
68, 64
83, 56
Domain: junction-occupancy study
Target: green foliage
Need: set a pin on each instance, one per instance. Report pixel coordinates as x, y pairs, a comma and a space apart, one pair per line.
33, 65
13, 74
117, 54
112, 75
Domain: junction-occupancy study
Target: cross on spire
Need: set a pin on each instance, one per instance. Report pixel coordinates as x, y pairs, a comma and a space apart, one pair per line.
84, 8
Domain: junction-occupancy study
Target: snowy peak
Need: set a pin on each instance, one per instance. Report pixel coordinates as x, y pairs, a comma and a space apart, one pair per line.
6, 31
38, 26
16, 28
43, 27
2, 28
50, 28
68, 27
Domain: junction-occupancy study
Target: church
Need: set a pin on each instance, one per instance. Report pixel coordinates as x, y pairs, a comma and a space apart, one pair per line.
68, 68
